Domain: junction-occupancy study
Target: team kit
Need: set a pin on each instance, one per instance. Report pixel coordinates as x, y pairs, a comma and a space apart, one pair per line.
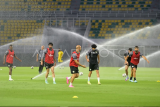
46, 57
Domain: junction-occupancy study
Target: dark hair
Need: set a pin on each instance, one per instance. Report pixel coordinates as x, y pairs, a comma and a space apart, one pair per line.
50, 44
136, 47
130, 49
10, 45
94, 46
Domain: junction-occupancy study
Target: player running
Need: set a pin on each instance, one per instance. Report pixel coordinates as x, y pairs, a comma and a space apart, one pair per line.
39, 57
135, 57
93, 63
128, 60
9, 55
50, 61
74, 62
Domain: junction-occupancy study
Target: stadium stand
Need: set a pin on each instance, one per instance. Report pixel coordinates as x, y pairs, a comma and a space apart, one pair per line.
34, 5
11, 30
114, 5
114, 28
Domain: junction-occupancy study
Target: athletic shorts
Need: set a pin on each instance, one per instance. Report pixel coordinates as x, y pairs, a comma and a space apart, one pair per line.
9, 65
129, 63
93, 67
48, 65
74, 70
133, 66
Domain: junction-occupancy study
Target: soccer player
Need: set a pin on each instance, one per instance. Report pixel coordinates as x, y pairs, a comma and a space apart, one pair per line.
93, 62
74, 63
128, 60
135, 57
50, 61
60, 55
9, 55
39, 55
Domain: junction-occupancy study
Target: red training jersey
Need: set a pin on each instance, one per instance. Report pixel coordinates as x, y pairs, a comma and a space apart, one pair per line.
135, 58
72, 62
10, 56
49, 56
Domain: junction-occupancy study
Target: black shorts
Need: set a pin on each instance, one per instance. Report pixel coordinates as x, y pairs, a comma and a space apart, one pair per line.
93, 67
74, 70
9, 65
48, 65
133, 66
129, 63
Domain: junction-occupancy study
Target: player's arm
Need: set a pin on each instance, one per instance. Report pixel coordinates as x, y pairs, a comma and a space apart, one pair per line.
87, 58
145, 58
5, 57
37, 55
98, 57
62, 54
75, 60
54, 60
126, 57
43, 55
17, 58
79, 64
87, 55
37, 58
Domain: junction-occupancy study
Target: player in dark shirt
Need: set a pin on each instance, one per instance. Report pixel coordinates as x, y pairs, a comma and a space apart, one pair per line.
93, 62
39, 56
127, 65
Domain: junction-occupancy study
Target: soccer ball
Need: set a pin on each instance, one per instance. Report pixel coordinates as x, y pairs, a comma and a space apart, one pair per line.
14, 67
124, 75
81, 73
32, 67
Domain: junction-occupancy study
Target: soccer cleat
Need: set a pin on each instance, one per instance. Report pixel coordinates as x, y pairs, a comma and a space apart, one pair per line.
10, 79
54, 82
67, 80
126, 78
71, 86
89, 83
46, 82
135, 81
131, 80
99, 83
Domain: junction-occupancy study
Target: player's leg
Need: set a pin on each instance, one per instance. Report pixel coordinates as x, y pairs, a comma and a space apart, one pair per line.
90, 72
10, 74
72, 79
89, 76
75, 74
47, 72
96, 67
53, 74
126, 71
134, 74
98, 77
68, 78
43, 65
40, 68
131, 75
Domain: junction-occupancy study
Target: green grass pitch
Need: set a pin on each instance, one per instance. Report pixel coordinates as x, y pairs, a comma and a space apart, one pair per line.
114, 91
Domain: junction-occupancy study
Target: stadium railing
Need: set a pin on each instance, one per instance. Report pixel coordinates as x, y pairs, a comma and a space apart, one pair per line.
42, 14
